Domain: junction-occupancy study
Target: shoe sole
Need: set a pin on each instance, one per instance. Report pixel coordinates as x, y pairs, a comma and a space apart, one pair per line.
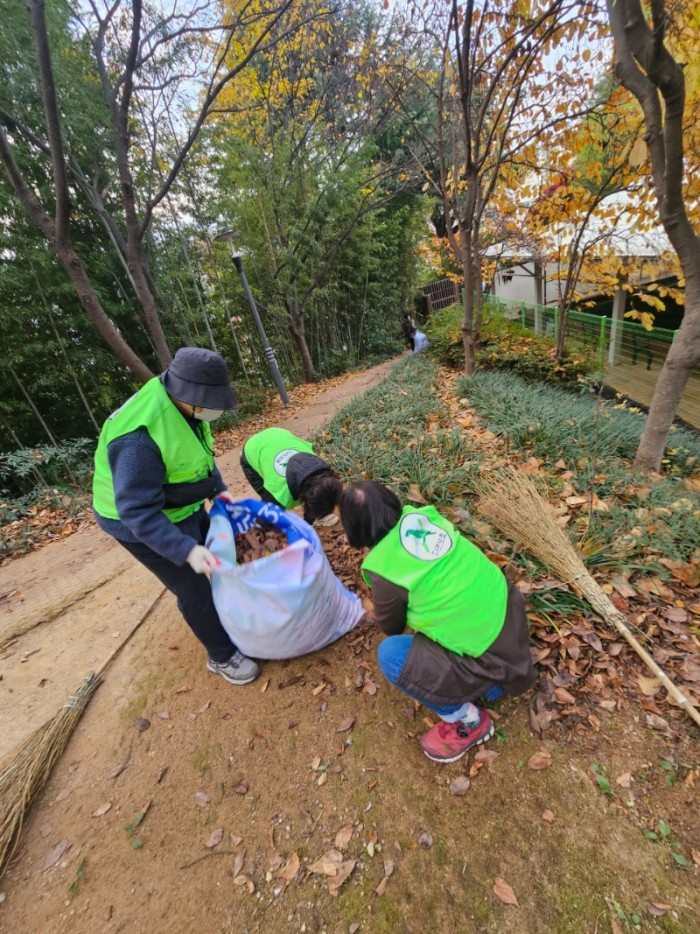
478, 742
215, 671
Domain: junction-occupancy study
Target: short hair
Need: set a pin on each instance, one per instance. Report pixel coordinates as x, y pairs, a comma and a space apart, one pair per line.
320, 494
368, 511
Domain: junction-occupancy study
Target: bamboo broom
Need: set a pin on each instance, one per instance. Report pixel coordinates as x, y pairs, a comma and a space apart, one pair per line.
512, 501
24, 775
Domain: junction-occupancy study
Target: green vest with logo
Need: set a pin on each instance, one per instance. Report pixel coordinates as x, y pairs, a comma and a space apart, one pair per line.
187, 457
456, 596
268, 453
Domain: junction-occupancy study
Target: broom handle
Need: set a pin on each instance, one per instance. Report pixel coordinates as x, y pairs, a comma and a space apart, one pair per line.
113, 654
609, 611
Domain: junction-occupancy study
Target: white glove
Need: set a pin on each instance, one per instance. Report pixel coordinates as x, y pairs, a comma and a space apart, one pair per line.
201, 560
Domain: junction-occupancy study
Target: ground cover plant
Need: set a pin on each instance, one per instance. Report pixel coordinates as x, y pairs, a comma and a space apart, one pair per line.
586, 445
400, 433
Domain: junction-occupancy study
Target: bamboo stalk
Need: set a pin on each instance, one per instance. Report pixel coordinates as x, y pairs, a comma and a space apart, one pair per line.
513, 502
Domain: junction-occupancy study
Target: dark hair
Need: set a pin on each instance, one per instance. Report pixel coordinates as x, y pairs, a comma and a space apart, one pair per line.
368, 511
320, 493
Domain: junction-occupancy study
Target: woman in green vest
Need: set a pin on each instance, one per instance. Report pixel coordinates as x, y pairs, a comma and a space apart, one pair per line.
284, 470
154, 470
471, 631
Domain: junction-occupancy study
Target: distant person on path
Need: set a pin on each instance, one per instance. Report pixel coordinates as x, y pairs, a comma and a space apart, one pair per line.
420, 342
408, 329
154, 469
471, 626
284, 470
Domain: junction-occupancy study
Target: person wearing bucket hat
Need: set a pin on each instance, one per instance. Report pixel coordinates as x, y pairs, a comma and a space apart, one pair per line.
154, 470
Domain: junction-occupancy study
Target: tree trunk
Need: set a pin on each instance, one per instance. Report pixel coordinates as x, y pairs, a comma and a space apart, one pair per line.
682, 357
33, 407
561, 330
296, 327
468, 338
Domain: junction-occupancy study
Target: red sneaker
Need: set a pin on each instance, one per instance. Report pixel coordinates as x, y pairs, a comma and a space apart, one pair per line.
447, 742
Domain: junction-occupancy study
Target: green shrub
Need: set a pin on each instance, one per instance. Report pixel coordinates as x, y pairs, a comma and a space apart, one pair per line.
252, 400
505, 345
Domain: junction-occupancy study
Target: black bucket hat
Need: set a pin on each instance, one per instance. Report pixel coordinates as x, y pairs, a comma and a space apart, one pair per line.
199, 377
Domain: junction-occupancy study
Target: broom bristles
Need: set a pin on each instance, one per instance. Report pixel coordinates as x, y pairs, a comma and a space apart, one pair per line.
515, 505
28, 769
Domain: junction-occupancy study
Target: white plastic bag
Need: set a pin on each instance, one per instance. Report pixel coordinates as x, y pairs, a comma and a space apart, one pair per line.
420, 342
286, 604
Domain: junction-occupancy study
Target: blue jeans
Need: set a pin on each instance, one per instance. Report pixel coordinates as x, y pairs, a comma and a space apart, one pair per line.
391, 655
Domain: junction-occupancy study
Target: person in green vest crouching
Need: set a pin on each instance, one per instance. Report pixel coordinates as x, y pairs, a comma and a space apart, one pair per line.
470, 624
154, 470
284, 470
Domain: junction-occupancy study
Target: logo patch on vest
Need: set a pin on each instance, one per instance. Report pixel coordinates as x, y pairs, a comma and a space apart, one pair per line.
281, 461
422, 538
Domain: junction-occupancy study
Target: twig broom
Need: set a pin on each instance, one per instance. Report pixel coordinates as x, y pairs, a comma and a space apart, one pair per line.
24, 775
511, 500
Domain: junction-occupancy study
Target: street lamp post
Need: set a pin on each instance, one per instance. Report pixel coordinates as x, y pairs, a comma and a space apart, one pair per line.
229, 237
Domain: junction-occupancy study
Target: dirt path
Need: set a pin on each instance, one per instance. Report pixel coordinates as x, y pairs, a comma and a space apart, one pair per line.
93, 592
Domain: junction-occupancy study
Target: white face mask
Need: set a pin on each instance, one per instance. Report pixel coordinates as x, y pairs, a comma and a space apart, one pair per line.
208, 415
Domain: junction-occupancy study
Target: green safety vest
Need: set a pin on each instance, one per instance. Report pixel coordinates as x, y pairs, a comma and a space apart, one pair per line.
268, 453
187, 456
456, 596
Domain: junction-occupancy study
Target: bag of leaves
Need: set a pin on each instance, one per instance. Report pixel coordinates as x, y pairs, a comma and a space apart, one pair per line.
282, 605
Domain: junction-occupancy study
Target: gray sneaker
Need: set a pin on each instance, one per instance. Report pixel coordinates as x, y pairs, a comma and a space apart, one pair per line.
237, 670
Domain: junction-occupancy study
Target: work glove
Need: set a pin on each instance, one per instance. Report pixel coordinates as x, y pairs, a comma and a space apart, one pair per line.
201, 560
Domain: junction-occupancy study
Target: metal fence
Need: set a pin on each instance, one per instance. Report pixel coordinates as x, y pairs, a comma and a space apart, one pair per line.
627, 355
441, 294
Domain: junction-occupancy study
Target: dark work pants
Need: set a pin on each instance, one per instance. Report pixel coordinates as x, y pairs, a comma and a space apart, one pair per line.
193, 592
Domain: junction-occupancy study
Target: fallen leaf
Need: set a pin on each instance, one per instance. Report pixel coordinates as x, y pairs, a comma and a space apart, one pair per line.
369, 687
657, 910
345, 725
354, 927
142, 724
163, 714
102, 810
624, 780
381, 888
414, 495
486, 755
540, 760
425, 841
696, 856
317, 690
202, 799
322, 778
238, 861
55, 854
676, 614
266, 685
215, 838
205, 707
184, 689
548, 816
324, 867
648, 686
241, 788
118, 769
459, 786
506, 894
344, 870
343, 837
563, 696
292, 868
